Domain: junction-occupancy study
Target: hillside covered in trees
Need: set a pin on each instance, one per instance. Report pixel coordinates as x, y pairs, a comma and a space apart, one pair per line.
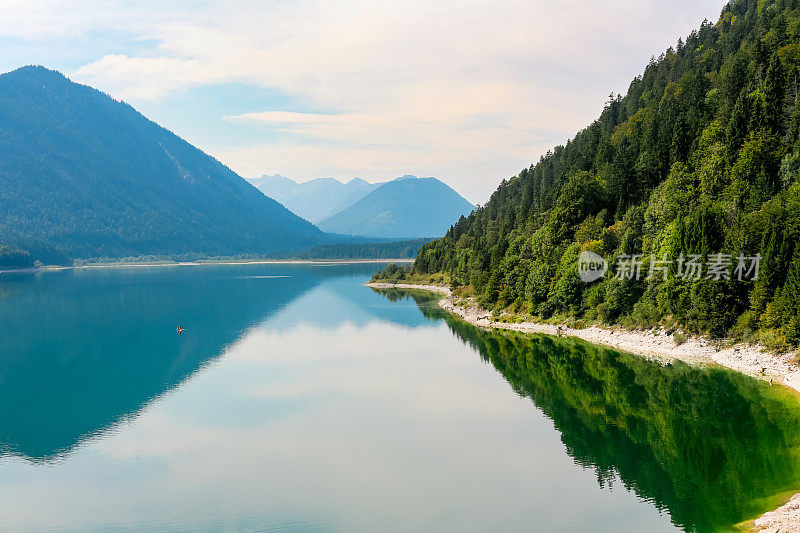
85, 176
13, 258
697, 164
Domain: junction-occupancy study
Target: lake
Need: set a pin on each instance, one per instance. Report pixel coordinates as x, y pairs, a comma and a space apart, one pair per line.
297, 399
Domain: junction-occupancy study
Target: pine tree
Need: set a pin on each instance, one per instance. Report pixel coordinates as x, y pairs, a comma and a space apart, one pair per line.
737, 126
774, 83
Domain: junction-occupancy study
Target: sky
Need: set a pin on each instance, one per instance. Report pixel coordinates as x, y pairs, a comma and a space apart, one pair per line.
470, 92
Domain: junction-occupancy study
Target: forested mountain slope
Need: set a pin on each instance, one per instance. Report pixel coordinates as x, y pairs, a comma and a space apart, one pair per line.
83, 175
700, 157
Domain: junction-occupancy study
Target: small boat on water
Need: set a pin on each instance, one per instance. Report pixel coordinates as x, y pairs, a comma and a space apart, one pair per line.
179, 330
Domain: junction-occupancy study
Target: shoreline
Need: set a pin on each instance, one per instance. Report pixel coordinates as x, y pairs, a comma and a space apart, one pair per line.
658, 346
155, 264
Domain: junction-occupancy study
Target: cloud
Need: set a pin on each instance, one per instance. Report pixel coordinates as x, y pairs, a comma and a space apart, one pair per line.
145, 77
376, 146
452, 86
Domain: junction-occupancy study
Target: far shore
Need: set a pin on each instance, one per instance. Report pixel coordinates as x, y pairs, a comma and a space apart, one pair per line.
203, 262
657, 345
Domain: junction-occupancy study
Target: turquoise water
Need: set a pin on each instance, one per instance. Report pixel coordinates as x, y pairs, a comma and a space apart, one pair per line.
298, 400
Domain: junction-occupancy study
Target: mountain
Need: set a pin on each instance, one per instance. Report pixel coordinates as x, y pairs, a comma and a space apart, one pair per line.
698, 164
316, 199
402, 208
83, 175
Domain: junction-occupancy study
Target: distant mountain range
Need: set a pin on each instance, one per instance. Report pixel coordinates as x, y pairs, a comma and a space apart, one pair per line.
314, 200
83, 175
405, 207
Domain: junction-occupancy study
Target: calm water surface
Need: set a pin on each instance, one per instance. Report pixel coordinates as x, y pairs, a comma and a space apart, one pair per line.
299, 400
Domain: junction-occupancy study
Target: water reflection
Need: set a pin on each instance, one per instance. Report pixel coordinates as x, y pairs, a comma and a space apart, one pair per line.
710, 446
327, 405
81, 350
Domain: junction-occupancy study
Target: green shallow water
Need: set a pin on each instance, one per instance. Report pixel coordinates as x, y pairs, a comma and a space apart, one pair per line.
299, 400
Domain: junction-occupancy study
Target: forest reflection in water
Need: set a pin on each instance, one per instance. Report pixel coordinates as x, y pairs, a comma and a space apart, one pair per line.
710, 446
298, 397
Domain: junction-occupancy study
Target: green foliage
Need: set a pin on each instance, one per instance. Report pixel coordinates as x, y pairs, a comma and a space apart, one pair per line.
679, 338
13, 258
701, 156
393, 273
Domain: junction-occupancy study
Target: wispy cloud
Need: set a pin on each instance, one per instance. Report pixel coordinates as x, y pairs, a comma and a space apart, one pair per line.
468, 91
